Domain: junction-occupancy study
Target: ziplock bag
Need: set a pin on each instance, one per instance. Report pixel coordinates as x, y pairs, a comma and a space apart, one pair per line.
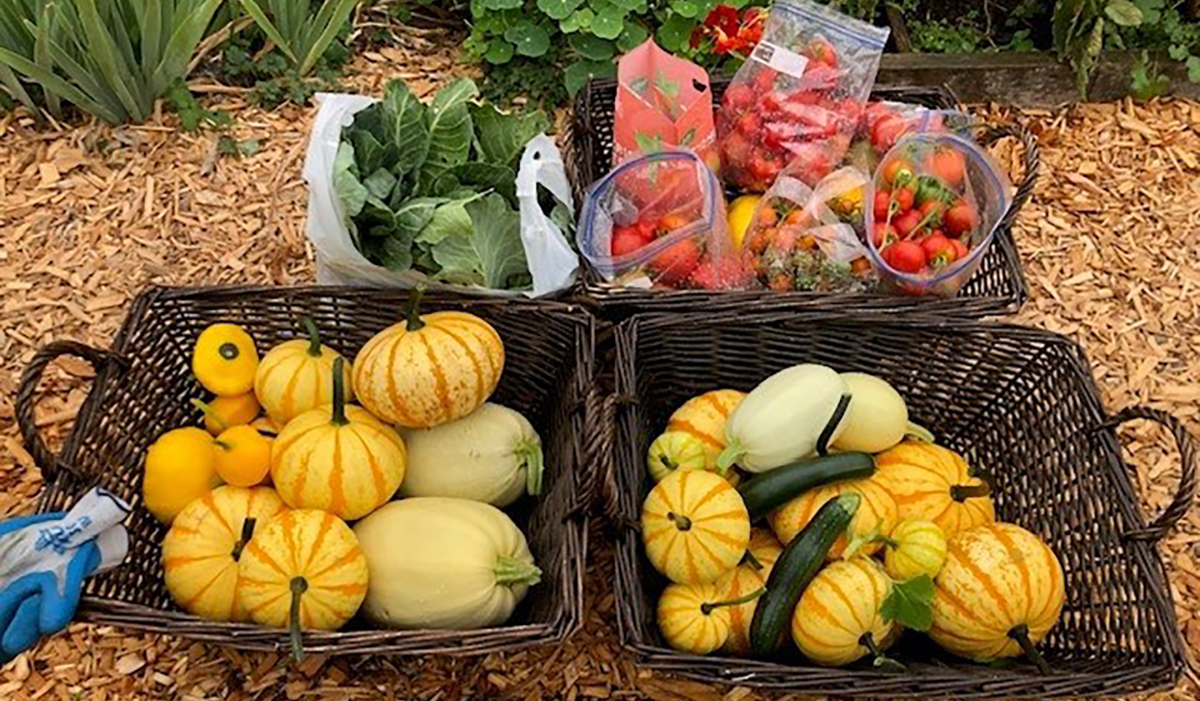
799, 98
936, 200
659, 221
663, 103
885, 122
807, 239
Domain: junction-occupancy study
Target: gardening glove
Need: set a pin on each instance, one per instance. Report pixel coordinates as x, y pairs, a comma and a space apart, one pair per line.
44, 560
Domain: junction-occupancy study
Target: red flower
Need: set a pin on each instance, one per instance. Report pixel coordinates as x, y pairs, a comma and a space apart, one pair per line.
723, 18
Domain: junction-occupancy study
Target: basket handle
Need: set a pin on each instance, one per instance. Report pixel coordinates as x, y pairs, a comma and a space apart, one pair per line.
1032, 164
25, 402
1187, 481
607, 490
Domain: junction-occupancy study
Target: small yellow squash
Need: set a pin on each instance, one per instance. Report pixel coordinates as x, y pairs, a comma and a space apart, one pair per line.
243, 456
180, 468
430, 369
998, 595
694, 618
225, 359
915, 548
876, 516
675, 450
933, 483
206, 540
704, 417
297, 376
224, 412
838, 619
748, 577
695, 526
337, 458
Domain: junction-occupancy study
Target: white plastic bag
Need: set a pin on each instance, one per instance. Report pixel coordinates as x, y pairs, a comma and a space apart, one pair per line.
552, 263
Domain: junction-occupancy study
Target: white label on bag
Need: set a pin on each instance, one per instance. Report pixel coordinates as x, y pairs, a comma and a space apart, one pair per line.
781, 59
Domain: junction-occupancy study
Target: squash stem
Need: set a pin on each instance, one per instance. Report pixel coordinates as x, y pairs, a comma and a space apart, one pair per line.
834, 421
247, 533
314, 337
881, 660
918, 432
530, 454
414, 305
223, 445
511, 571
681, 522
339, 394
707, 608
299, 585
211, 414
728, 457
1021, 635
962, 492
749, 559
228, 351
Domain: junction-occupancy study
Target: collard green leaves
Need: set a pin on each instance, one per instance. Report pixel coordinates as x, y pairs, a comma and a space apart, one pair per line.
493, 255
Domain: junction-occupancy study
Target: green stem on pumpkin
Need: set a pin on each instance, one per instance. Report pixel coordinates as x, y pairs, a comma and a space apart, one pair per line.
299, 585
881, 660
749, 559
229, 351
510, 571
247, 533
962, 492
414, 307
681, 522
339, 393
706, 608
529, 453
314, 337
1021, 635
918, 432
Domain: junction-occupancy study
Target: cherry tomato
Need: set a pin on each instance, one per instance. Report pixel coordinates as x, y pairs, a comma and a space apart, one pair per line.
749, 123
821, 51
796, 217
894, 167
886, 131
906, 256
860, 266
961, 219
648, 228
883, 235
883, 199
907, 222
767, 216
676, 262
949, 166
903, 198
960, 249
938, 250
671, 222
738, 97
626, 240
934, 211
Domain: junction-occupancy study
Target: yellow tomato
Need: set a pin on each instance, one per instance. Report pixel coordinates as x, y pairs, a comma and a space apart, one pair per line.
741, 211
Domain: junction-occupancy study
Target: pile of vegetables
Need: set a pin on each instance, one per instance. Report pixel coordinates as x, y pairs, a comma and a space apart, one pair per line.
281, 511
432, 188
813, 506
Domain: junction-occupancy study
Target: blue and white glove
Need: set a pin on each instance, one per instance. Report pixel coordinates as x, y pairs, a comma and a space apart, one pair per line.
44, 560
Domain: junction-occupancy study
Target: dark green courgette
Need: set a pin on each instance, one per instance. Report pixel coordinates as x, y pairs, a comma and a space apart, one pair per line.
779, 486
795, 568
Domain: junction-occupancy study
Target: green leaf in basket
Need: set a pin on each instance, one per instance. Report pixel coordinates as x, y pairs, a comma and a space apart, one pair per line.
529, 39
910, 603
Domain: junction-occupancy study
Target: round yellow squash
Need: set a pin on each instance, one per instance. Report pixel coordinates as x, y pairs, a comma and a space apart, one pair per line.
998, 595
704, 417
675, 450
180, 468
206, 540
837, 620
695, 526
303, 569
225, 412
243, 456
694, 618
748, 577
297, 376
877, 515
914, 548
337, 458
933, 483
430, 369
224, 360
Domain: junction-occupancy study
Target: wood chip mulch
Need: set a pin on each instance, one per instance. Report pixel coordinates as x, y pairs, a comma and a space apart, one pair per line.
91, 214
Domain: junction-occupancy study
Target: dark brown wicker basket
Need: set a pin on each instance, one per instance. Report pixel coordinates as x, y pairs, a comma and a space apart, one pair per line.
998, 287
142, 388
1019, 402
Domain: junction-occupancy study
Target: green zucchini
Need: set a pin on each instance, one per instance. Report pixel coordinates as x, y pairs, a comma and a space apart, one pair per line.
795, 568
779, 486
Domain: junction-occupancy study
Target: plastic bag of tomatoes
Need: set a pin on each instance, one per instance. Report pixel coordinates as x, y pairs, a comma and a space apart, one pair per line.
799, 98
659, 221
808, 239
935, 203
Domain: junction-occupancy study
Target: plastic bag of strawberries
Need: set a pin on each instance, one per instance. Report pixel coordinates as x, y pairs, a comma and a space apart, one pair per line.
798, 100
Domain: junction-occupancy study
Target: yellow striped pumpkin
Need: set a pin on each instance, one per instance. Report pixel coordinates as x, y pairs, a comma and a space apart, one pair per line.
704, 417
306, 556
430, 369
748, 577
933, 483
695, 526
337, 458
838, 619
876, 516
915, 548
687, 624
201, 551
1000, 583
297, 376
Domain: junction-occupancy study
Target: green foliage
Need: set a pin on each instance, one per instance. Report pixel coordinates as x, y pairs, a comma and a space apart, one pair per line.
910, 603
1145, 80
943, 37
1080, 28
247, 60
193, 115
865, 10
1165, 29
303, 36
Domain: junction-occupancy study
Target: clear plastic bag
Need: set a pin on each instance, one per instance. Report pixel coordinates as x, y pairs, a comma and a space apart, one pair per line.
885, 122
936, 200
797, 102
808, 239
659, 221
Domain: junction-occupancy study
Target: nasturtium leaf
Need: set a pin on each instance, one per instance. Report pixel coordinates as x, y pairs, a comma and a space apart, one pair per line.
502, 4
592, 47
1193, 68
499, 51
686, 8
1123, 12
578, 74
558, 9
635, 33
579, 20
675, 32
609, 23
529, 39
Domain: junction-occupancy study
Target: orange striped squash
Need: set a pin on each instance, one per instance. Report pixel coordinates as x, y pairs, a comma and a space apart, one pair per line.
303, 569
932, 483
430, 369
687, 624
695, 526
297, 376
838, 619
704, 417
337, 458
1000, 584
201, 551
876, 516
748, 577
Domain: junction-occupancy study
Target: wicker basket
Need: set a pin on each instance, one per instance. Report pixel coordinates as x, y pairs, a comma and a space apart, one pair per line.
142, 388
998, 287
1017, 401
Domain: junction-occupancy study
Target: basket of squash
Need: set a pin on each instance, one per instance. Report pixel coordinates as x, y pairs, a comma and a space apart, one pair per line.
850, 505
336, 470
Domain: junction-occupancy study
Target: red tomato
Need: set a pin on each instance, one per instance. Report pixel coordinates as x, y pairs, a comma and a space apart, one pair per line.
907, 222
893, 168
949, 166
883, 198
960, 249
821, 51
906, 256
771, 101
648, 229
904, 198
934, 211
738, 97
961, 219
671, 222
626, 240
938, 250
676, 262
886, 131
883, 235
818, 76
765, 78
